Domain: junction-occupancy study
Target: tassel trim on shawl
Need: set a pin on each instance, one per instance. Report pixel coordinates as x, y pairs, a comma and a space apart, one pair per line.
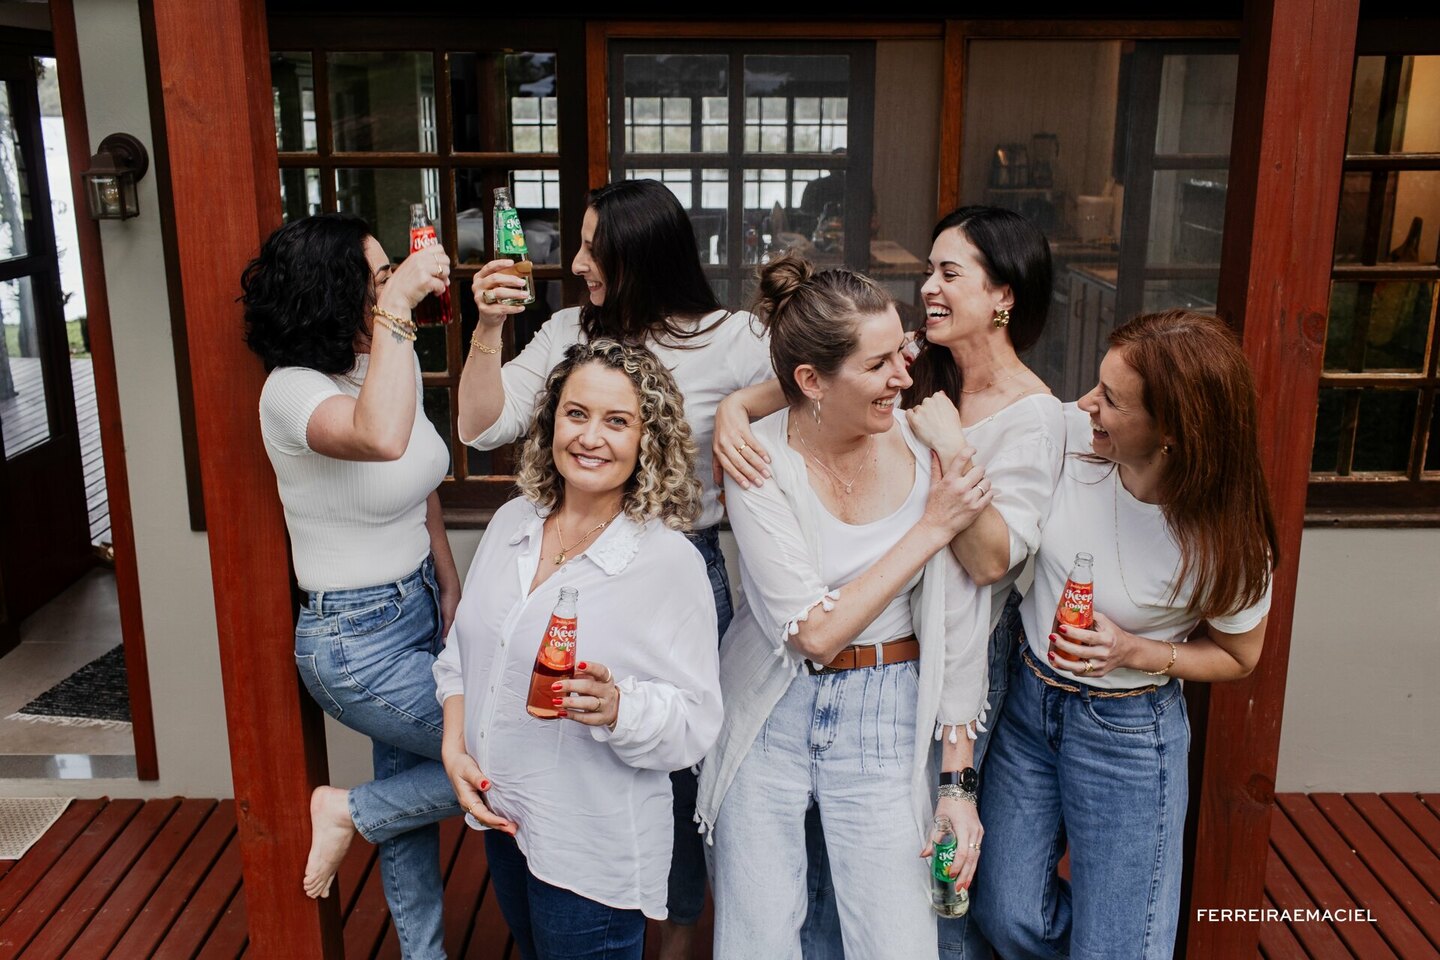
826, 601
973, 729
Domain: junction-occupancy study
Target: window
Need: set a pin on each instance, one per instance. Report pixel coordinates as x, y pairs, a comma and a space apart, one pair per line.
1377, 430
370, 126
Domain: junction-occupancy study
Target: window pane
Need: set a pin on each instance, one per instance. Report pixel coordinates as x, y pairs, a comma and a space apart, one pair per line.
383, 198
1187, 217
1392, 105
504, 102
292, 81
299, 192
669, 96
1328, 416
1378, 326
437, 410
24, 403
14, 189
1406, 211
430, 346
1196, 294
1197, 102
382, 102
536, 194
1383, 431
1432, 449
808, 95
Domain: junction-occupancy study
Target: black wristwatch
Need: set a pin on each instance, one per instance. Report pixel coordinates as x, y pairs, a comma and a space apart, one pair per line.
967, 779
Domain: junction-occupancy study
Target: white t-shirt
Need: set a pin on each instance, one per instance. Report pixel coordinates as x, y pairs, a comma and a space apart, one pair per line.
593, 806
1022, 448
352, 523
1136, 561
707, 368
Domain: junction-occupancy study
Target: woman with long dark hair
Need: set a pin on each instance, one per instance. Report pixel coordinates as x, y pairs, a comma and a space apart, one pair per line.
1162, 489
645, 287
357, 464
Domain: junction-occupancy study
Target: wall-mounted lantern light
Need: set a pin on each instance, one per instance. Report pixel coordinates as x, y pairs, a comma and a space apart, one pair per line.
110, 182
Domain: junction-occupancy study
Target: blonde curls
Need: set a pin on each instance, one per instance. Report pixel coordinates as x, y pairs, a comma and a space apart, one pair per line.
663, 485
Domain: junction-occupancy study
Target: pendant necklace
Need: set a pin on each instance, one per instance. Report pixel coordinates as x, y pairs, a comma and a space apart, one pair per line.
993, 383
560, 537
849, 485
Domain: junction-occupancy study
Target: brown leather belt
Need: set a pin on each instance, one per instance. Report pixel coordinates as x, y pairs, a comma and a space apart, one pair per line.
857, 656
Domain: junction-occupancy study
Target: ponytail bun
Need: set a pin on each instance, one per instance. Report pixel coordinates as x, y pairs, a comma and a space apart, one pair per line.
780, 280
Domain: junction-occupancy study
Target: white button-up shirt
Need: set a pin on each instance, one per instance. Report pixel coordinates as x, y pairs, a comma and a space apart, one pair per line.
593, 807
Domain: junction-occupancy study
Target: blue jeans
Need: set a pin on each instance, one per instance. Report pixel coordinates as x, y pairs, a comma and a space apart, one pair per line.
686, 896
365, 657
845, 740
551, 923
960, 938
1106, 775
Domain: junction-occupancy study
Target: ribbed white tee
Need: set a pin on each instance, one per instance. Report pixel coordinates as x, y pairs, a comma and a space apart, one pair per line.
352, 523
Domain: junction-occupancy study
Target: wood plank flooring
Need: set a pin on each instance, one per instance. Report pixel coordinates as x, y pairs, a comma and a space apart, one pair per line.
161, 878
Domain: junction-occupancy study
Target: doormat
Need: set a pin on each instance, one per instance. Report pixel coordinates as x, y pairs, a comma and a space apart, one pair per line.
96, 695
24, 821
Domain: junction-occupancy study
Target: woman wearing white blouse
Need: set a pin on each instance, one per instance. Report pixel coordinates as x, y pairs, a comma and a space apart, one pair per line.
607, 482
858, 640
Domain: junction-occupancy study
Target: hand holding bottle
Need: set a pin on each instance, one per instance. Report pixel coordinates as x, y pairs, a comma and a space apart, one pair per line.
498, 287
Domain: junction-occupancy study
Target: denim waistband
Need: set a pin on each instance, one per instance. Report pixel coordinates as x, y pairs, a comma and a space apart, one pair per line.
319, 600
710, 536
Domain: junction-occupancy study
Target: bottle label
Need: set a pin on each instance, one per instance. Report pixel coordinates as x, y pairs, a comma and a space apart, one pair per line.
558, 650
940, 862
422, 237
509, 235
1077, 605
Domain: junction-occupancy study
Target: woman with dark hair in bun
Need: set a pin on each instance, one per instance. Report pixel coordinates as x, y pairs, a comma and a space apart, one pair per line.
357, 463
858, 639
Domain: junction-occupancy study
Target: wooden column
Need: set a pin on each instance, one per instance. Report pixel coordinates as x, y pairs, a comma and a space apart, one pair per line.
214, 71
1296, 60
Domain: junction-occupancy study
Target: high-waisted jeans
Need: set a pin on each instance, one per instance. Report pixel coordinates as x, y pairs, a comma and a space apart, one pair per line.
1106, 776
365, 656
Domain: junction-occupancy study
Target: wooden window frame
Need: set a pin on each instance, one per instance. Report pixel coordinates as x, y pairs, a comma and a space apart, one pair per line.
1412, 498
468, 498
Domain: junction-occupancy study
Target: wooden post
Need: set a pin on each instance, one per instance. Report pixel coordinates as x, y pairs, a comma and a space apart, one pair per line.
214, 71
1296, 61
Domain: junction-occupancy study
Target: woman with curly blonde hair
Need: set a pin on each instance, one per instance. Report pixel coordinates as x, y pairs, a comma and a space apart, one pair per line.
578, 808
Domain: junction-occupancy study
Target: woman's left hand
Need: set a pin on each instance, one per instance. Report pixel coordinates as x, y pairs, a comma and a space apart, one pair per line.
965, 821
936, 423
1091, 653
596, 700
735, 450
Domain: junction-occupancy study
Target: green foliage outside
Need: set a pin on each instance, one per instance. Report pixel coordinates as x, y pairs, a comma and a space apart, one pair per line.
72, 333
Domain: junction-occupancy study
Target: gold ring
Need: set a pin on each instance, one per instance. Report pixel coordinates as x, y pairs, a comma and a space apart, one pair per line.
975, 847
742, 448
488, 296
471, 810
1089, 668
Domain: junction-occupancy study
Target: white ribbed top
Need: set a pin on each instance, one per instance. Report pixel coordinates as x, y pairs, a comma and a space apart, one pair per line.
352, 523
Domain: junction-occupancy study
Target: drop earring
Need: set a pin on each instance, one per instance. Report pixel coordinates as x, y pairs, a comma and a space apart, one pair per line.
815, 411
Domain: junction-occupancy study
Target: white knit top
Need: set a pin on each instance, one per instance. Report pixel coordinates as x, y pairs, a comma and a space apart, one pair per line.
352, 523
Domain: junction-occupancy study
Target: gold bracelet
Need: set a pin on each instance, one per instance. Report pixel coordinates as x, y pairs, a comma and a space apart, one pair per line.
475, 344
1165, 672
399, 333
400, 322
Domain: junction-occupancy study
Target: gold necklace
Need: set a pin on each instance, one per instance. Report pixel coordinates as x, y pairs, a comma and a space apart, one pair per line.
560, 537
1119, 560
849, 485
992, 383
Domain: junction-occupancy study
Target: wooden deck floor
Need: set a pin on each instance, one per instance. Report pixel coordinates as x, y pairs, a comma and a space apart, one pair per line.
26, 424
161, 878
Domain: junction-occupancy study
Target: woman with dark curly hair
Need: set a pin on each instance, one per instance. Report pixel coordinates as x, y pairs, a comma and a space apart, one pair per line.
357, 464
578, 809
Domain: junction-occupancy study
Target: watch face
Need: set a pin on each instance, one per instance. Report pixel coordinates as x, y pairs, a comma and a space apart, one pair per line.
969, 780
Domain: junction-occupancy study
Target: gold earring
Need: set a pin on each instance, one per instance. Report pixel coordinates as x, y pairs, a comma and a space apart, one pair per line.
1002, 318
1166, 449
815, 410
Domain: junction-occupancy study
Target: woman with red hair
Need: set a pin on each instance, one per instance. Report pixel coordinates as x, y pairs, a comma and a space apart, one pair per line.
1162, 487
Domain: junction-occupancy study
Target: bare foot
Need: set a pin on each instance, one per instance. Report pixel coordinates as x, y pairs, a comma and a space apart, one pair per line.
331, 831
677, 941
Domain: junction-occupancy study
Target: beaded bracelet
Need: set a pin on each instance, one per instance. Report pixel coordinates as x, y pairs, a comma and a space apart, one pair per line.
1165, 671
399, 333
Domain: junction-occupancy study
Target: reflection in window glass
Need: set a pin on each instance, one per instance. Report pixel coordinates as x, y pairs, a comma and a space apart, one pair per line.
1197, 103
1326, 454
676, 103
24, 409
1187, 217
14, 191
299, 192
521, 87
381, 102
1393, 105
536, 194
1384, 426
292, 83
383, 199
1406, 210
796, 104
1432, 451
437, 411
1378, 326
1189, 293
430, 347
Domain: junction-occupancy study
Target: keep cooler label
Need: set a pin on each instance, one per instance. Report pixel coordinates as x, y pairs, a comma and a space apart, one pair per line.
509, 235
422, 237
558, 651
1077, 605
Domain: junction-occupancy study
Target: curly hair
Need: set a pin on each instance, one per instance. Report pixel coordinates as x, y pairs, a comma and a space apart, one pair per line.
663, 484
307, 293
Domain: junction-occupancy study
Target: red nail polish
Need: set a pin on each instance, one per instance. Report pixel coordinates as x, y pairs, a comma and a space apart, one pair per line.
562, 714
1062, 628
1053, 638
555, 687
484, 784
1051, 655
582, 665
557, 701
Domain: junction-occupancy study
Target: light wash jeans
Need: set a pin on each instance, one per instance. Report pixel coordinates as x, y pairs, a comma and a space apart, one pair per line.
845, 741
365, 656
1108, 776
960, 938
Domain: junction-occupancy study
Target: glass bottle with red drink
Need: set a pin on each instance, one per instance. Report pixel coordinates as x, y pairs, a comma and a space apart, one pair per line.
1077, 600
556, 657
435, 308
